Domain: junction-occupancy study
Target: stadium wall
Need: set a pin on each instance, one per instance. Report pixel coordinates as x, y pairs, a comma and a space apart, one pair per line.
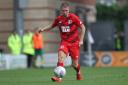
41, 13
6, 22
8, 61
36, 13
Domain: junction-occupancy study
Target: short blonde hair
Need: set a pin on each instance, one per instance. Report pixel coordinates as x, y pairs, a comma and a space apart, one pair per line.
64, 4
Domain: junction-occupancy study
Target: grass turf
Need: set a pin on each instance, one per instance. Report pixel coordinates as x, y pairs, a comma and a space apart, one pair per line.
92, 76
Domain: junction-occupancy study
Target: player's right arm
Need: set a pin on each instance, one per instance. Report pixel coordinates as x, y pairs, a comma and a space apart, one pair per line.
49, 27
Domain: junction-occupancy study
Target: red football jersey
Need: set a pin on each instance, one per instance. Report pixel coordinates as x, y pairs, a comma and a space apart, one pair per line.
68, 27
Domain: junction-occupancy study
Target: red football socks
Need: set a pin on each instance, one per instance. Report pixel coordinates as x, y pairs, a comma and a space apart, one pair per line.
60, 64
77, 69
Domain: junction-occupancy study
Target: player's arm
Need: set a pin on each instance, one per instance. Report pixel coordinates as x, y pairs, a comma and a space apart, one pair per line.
80, 24
46, 28
82, 33
49, 27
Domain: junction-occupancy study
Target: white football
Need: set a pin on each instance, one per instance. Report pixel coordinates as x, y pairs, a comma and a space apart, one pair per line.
59, 71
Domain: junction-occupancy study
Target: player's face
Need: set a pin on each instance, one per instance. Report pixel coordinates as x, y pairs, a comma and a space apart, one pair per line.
65, 11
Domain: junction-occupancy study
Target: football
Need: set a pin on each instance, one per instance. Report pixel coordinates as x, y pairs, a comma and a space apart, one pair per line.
59, 71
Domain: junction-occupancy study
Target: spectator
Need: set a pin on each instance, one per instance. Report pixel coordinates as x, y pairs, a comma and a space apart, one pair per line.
14, 43
38, 46
119, 41
28, 48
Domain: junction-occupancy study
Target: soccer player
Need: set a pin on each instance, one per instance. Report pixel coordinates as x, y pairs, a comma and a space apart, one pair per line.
71, 40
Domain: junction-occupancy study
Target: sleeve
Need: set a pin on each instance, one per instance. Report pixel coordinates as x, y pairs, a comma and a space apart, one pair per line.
77, 21
55, 22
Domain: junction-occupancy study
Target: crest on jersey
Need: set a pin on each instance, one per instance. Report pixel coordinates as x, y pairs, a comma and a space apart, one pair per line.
62, 46
60, 22
69, 21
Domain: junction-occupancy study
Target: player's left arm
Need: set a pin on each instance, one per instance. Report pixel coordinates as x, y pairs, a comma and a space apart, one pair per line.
82, 33
80, 24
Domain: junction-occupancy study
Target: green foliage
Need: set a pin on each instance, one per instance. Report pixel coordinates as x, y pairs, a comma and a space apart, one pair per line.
116, 13
113, 12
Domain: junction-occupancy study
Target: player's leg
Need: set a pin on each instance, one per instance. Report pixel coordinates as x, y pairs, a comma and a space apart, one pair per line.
74, 53
62, 53
76, 66
61, 57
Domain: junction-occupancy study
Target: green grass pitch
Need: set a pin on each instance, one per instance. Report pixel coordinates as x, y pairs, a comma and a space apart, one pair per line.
92, 76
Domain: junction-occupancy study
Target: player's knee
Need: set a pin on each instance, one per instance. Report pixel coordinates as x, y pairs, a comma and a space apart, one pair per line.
60, 59
61, 53
61, 56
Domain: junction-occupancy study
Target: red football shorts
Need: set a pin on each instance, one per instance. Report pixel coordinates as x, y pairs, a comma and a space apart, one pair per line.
70, 48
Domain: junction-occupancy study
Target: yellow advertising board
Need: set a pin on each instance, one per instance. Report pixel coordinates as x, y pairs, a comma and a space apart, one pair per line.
113, 58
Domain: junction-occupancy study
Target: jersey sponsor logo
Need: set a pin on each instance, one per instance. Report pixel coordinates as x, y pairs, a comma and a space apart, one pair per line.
65, 28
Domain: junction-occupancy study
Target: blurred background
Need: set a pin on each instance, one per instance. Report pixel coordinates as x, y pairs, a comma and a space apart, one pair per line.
106, 38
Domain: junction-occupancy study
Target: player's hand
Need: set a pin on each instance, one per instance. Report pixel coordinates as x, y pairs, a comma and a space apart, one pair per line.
80, 43
40, 30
